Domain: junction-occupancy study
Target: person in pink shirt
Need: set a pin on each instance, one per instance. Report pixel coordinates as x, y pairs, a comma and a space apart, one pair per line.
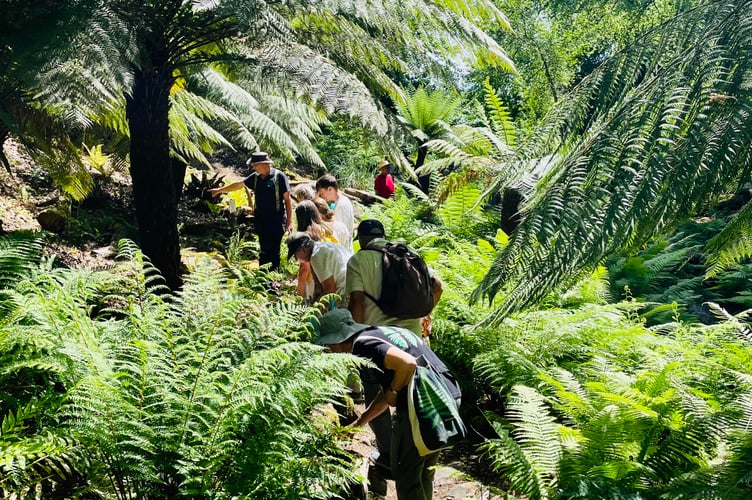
383, 185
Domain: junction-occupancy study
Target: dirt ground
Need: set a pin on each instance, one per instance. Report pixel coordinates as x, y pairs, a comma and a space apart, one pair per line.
453, 479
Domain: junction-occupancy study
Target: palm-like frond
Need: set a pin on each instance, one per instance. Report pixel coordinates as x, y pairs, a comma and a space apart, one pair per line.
530, 452
197, 394
427, 113
732, 244
652, 135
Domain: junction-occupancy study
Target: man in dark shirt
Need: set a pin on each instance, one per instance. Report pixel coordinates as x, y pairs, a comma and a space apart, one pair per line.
394, 351
273, 212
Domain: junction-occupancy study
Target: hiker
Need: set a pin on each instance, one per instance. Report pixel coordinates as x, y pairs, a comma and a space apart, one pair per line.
383, 184
273, 212
364, 276
394, 351
338, 229
327, 187
303, 192
308, 220
328, 263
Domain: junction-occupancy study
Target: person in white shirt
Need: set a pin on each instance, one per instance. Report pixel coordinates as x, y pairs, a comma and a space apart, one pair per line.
327, 188
328, 263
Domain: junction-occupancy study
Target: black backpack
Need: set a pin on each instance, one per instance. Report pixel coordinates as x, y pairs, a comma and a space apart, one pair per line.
406, 283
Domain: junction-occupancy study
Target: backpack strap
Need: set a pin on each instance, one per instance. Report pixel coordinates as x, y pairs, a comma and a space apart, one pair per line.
277, 189
277, 193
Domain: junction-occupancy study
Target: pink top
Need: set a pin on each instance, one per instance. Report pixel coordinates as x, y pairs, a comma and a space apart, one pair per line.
384, 185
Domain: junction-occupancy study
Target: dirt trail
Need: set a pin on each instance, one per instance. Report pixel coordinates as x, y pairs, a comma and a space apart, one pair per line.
450, 482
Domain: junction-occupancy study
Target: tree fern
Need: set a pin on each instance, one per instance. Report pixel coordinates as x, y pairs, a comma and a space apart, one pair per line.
732, 244
528, 454
642, 144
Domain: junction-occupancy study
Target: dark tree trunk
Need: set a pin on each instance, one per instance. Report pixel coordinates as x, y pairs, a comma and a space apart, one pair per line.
178, 175
423, 180
4, 134
154, 193
511, 200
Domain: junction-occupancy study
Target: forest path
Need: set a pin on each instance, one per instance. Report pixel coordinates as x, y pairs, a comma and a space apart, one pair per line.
453, 479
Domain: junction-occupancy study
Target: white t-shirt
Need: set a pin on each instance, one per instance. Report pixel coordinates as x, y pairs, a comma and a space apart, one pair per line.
364, 275
330, 259
343, 212
340, 232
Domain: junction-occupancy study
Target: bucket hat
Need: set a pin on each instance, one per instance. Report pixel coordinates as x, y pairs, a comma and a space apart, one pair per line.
259, 157
337, 326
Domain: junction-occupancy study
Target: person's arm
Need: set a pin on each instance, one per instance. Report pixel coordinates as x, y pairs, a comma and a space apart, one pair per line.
376, 408
390, 184
226, 189
328, 285
403, 365
303, 272
288, 209
357, 306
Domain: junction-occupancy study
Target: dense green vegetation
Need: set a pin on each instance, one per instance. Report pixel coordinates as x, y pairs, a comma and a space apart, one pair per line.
587, 208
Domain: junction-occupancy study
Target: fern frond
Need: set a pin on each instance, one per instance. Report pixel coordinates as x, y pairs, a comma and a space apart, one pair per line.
732, 244
19, 255
652, 151
508, 458
501, 120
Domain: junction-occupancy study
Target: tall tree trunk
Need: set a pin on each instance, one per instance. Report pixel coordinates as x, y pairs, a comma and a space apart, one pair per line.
154, 193
4, 134
423, 180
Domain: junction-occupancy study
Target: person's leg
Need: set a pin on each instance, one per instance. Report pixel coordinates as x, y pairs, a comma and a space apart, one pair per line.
428, 473
379, 472
413, 474
270, 238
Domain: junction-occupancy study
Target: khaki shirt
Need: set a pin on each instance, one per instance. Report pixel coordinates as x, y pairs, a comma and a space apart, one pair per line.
364, 275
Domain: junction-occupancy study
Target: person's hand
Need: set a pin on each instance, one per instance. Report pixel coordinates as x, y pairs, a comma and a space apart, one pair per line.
353, 428
288, 227
390, 397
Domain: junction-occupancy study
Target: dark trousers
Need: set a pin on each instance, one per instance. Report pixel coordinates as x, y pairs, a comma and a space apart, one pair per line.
382, 431
413, 474
269, 232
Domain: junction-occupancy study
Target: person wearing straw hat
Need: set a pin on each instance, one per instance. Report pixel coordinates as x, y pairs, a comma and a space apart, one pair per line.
383, 184
394, 351
272, 217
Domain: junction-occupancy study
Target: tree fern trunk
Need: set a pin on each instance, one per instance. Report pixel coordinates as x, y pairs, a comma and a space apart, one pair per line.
4, 134
154, 193
423, 180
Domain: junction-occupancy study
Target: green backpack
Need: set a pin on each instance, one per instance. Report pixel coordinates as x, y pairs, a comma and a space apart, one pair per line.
433, 409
